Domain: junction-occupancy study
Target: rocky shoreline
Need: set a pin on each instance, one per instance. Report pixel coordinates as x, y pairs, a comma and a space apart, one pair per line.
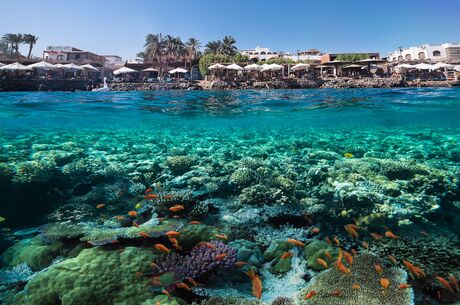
281, 84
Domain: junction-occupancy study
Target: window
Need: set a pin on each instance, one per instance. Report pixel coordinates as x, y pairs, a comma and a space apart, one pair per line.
60, 57
262, 53
400, 57
250, 53
408, 57
436, 53
421, 55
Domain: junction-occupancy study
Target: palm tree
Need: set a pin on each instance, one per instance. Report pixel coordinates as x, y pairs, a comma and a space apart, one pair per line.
14, 40
193, 45
179, 48
30, 40
228, 46
213, 47
142, 55
152, 46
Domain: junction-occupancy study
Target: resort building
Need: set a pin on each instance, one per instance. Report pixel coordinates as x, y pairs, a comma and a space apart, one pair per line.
113, 62
441, 52
333, 56
309, 55
68, 54
260, 54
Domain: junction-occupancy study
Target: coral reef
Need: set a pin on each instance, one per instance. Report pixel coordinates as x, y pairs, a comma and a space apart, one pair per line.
334, 287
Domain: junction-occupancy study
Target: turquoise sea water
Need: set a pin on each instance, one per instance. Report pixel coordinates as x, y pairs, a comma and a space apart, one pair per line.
257, 166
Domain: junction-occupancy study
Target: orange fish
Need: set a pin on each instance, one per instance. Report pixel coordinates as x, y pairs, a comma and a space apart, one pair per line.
454, 282
151, 197
351, 230
135, 224
176, 208
100, 206
162, 248
310, 294
315, 230
365, 245
132, 213
221, 236
390, 234
339, 258
322, 262
376, 236
336, 293
220, 257
240, 264
192, 281
392, 259
172, 234
378, 268
183, 286
354, 252
286, 255
337, 241
343, 269
327, 254
413, 269
157, 303
167, 197
348, 257
175, 243
148, 190
256, 283
404, 286
165, 292
295, 242
194, 222
119, 217
445, 283
355, 286
328, 240
385, 283
144, 234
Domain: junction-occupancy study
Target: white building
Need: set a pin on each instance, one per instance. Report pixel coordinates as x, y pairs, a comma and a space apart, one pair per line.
442, 52
113, 62
261, 54
309, 55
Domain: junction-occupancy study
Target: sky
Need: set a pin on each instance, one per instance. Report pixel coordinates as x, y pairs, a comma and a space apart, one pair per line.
119, 26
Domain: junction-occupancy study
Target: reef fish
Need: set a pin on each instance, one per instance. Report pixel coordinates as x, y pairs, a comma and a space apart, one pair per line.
404, 286
355, 286
221, 236
454, 282
352, 230
220, 257
183, 286
194, 222
445, 283
322, 262
286, 255
168, 197
413, 269
132, 213
240, 264
144, 234
315, 230
378, 268
376, 236
392, 259
162, 248
348, 155
148, 190
348, 257
390, 234
385, 283
172, 234
327, 254
135, 224
256, 283
336, 293
365, 245
310, 294
100, 206
176, 208
295, 242
151, 197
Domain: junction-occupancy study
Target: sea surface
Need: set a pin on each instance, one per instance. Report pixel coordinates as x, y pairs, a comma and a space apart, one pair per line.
255, 167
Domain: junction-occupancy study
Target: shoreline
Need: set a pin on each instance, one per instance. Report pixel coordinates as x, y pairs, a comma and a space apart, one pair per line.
219, 85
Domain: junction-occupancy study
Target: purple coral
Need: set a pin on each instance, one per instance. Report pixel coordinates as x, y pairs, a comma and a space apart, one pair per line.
203, 258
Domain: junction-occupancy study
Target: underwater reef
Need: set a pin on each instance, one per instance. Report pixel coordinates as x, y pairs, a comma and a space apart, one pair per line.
235, 216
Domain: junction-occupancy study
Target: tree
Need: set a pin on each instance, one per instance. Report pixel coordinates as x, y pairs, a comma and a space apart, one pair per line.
192, 46
213, 47
352, 57
14, 40
153, 45
228, 46
30, 40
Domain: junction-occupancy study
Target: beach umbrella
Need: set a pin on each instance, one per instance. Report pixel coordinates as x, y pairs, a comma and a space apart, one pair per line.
15, 67
72, 67
216, 67
405, 66
1, 65
300, 67
42, 65
178, 70
457, 68
352, 66
90, 67
275, 67
253, 67
124, 70
424, 67
235, 67
441, 65
150, 70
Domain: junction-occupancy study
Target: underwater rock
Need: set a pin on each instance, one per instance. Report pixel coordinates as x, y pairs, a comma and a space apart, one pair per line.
18, 274
247, 252
193, 234
96, 276
333, 287
242, 177
180, 164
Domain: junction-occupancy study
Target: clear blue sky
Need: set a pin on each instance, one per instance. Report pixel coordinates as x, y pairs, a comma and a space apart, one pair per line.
119, 26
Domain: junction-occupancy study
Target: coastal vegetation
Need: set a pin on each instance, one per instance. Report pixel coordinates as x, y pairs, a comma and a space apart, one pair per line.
10, 43
352, 57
